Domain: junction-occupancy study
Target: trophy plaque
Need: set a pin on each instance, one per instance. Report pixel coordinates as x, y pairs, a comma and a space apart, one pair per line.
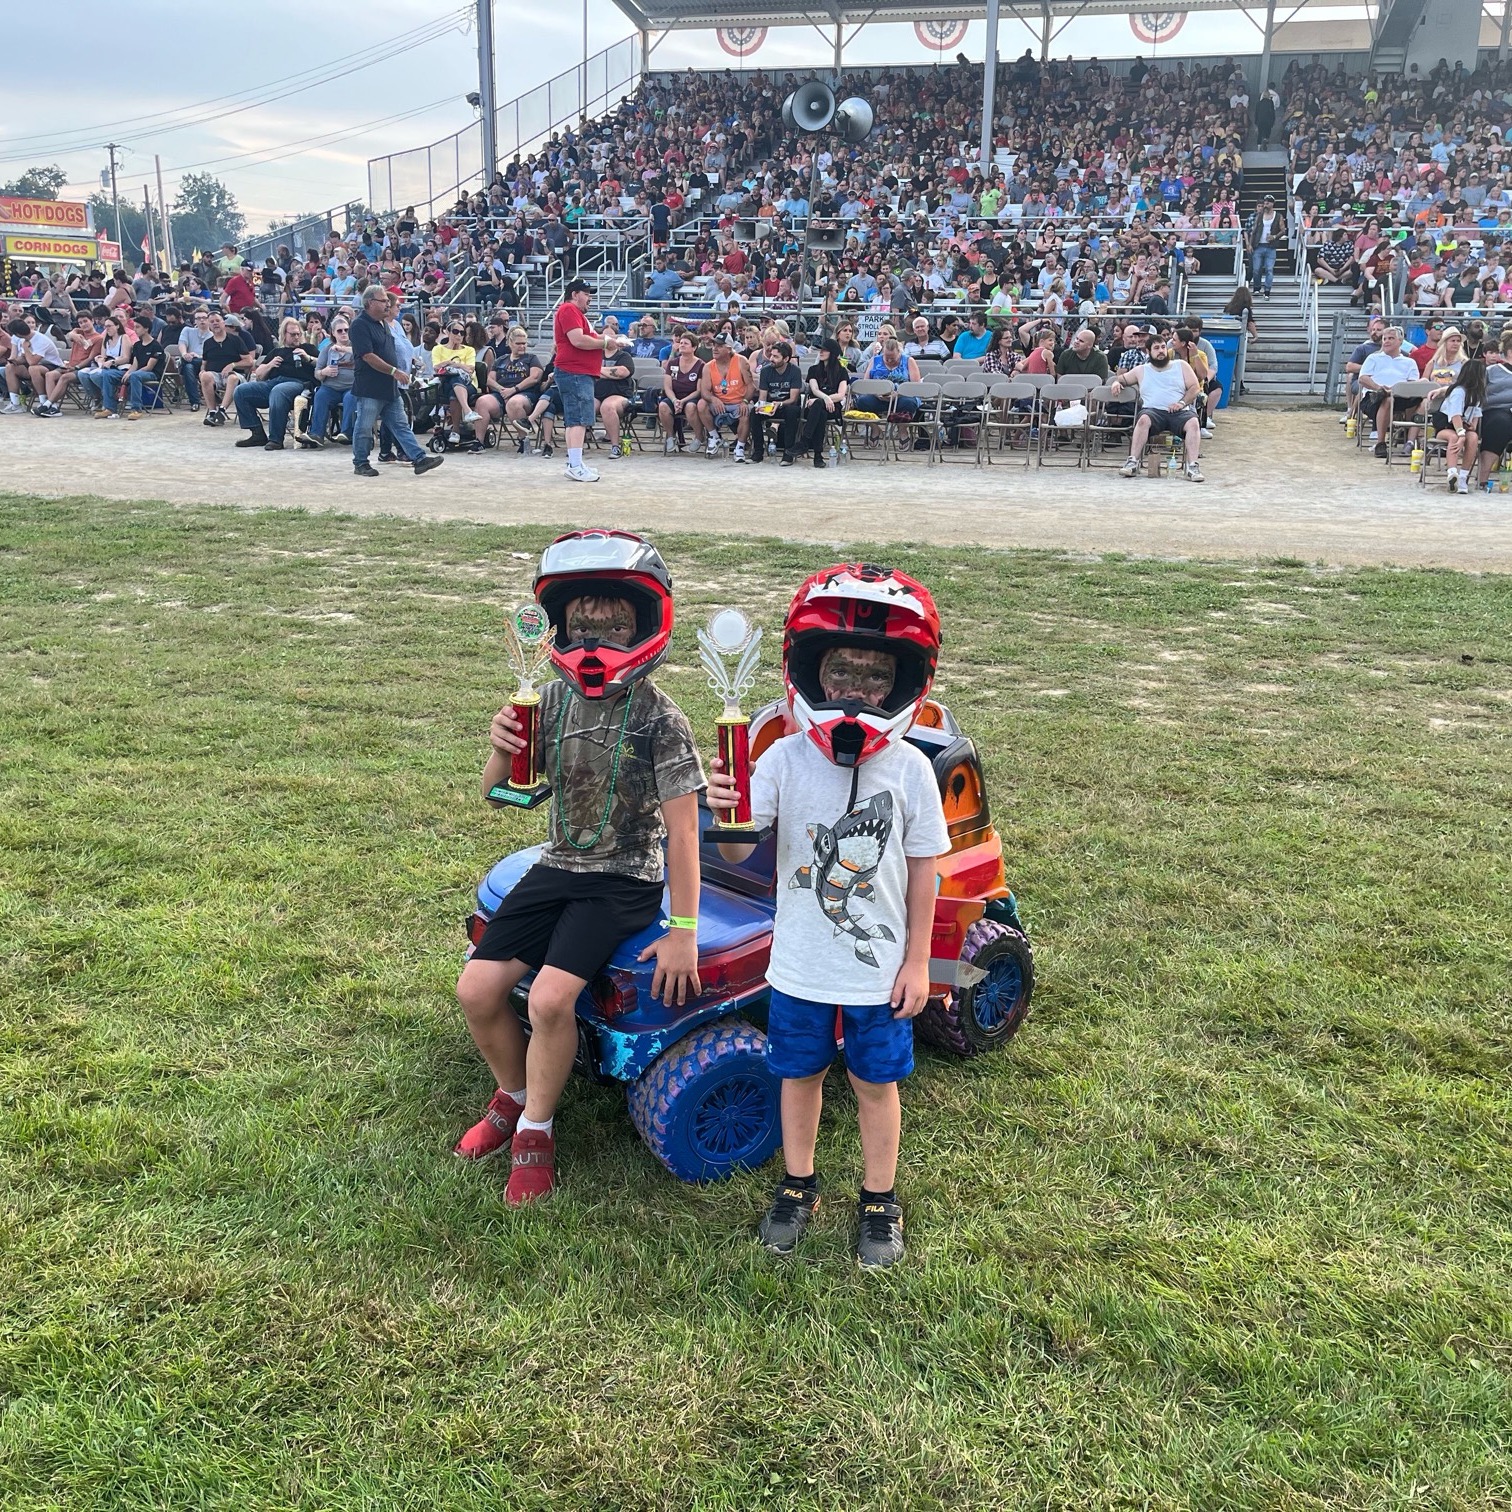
729, 649
528, 638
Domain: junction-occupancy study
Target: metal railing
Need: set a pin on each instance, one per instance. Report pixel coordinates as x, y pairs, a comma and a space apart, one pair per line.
437, 173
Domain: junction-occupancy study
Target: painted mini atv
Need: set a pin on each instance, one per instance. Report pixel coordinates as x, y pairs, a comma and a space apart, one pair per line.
699, 1089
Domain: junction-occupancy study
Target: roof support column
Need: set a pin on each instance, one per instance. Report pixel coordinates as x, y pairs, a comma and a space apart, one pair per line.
839, 49
488, 105
989, 85
1506, 31
1263, 82
1045, 31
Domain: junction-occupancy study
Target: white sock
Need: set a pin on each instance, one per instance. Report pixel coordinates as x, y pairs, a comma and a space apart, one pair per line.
574, 456
531, 1124
514, 1097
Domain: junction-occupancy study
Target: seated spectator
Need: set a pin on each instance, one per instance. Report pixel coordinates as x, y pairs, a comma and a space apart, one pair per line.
225, 359
648, 343
827, 391
334, 371
547, 409
455, 363
1379, 374
890, 364
1496, 416
922, 344
1167, 390
663, 282
149, 360
614, 392
84, 343
1184, 345
1336, 259
1455, 420
283, 375
1041, 358
972, 342
102, 380
514, 385
725, 391
1083, 356
191, 347
679, 402
779, 399
34, 356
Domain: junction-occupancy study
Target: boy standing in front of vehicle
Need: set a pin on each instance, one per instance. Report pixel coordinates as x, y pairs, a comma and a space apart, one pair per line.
860, 828
624, 771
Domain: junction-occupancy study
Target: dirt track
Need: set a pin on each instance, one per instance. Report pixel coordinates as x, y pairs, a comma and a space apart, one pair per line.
1279, 484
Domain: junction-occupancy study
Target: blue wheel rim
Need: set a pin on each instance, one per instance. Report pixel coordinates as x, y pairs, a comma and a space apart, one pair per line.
997, 996
732, 1118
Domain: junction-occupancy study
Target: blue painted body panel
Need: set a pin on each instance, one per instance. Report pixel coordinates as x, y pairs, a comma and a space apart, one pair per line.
727, 919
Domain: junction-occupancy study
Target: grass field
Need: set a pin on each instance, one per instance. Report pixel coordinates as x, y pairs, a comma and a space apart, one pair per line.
1229, 1225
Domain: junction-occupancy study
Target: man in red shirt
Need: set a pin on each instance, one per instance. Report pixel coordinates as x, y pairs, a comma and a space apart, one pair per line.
239, 294
579, 360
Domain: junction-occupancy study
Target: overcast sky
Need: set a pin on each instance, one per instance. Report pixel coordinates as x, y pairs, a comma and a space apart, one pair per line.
309, 149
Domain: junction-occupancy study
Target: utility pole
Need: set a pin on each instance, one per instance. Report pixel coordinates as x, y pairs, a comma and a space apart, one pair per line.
151, 237
157, 164
487, 104
113, 148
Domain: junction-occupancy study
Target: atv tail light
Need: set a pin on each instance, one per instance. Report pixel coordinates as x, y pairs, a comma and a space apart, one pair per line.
613, 992
740, 969
476, 924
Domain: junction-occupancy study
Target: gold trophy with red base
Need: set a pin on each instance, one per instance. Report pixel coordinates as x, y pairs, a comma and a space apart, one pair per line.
528, 636
731, 637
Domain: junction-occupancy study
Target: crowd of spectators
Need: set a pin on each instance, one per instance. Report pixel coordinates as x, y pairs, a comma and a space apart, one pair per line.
1059, 252
1405, 182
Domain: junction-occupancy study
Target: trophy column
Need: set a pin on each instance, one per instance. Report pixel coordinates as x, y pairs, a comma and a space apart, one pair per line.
730, 636
528, 636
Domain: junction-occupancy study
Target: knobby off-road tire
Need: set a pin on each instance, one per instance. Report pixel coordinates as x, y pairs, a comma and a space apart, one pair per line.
987, 1013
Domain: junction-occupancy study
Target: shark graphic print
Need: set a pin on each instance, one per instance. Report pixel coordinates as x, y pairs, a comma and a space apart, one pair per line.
846, 857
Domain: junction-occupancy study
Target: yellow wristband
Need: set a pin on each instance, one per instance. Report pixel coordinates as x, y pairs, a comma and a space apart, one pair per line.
676, 923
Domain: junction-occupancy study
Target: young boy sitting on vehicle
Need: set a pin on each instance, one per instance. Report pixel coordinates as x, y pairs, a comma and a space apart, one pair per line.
859, 826
624, 771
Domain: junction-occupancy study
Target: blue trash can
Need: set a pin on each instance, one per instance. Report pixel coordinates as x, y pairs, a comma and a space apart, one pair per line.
1223, 331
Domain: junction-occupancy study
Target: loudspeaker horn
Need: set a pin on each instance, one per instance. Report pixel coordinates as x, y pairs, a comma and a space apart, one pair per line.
810, 107
853, 120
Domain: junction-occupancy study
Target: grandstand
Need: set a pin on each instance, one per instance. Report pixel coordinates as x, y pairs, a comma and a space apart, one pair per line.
1106, 162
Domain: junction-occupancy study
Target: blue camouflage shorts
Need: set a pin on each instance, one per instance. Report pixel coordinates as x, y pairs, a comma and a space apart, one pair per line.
801, 1039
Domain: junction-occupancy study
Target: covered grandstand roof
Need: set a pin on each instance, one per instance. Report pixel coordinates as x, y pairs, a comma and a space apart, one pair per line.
671, 15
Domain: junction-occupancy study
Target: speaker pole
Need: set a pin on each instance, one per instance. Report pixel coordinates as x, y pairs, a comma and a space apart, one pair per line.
808, 226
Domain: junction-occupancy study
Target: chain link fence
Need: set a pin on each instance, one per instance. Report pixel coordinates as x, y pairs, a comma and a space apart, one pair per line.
431, 177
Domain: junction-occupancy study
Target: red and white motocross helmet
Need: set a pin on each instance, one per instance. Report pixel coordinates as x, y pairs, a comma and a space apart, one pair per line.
612, 563
859, 605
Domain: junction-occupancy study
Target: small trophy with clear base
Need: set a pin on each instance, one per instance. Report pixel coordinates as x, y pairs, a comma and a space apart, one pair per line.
528, 638
729, 650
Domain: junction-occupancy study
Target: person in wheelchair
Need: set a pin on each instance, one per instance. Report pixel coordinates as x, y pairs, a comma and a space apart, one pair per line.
455, 361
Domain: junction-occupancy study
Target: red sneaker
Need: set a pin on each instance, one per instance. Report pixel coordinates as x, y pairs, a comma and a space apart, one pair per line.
491, 1132
533, 1173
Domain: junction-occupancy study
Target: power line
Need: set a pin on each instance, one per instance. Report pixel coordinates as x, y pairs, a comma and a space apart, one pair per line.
404, 43
281, 150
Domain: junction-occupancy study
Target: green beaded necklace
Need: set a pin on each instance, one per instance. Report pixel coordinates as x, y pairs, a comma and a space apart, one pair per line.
613, 771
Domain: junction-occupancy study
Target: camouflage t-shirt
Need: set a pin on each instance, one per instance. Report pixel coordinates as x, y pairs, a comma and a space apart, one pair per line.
658, 761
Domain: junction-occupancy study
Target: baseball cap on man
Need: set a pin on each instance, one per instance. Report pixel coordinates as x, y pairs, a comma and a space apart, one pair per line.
578, 285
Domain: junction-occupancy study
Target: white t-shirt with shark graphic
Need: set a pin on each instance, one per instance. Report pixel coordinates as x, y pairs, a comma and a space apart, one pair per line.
842, 874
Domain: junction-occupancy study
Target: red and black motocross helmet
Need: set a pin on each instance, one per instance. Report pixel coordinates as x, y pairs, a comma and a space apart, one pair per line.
859, 605
617, 564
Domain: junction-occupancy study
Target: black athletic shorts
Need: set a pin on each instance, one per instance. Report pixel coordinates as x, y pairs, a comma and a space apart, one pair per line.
1496, 430
1172, 421
571, 920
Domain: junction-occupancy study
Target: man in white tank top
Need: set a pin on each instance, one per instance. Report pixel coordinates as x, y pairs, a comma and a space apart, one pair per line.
1167, 390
